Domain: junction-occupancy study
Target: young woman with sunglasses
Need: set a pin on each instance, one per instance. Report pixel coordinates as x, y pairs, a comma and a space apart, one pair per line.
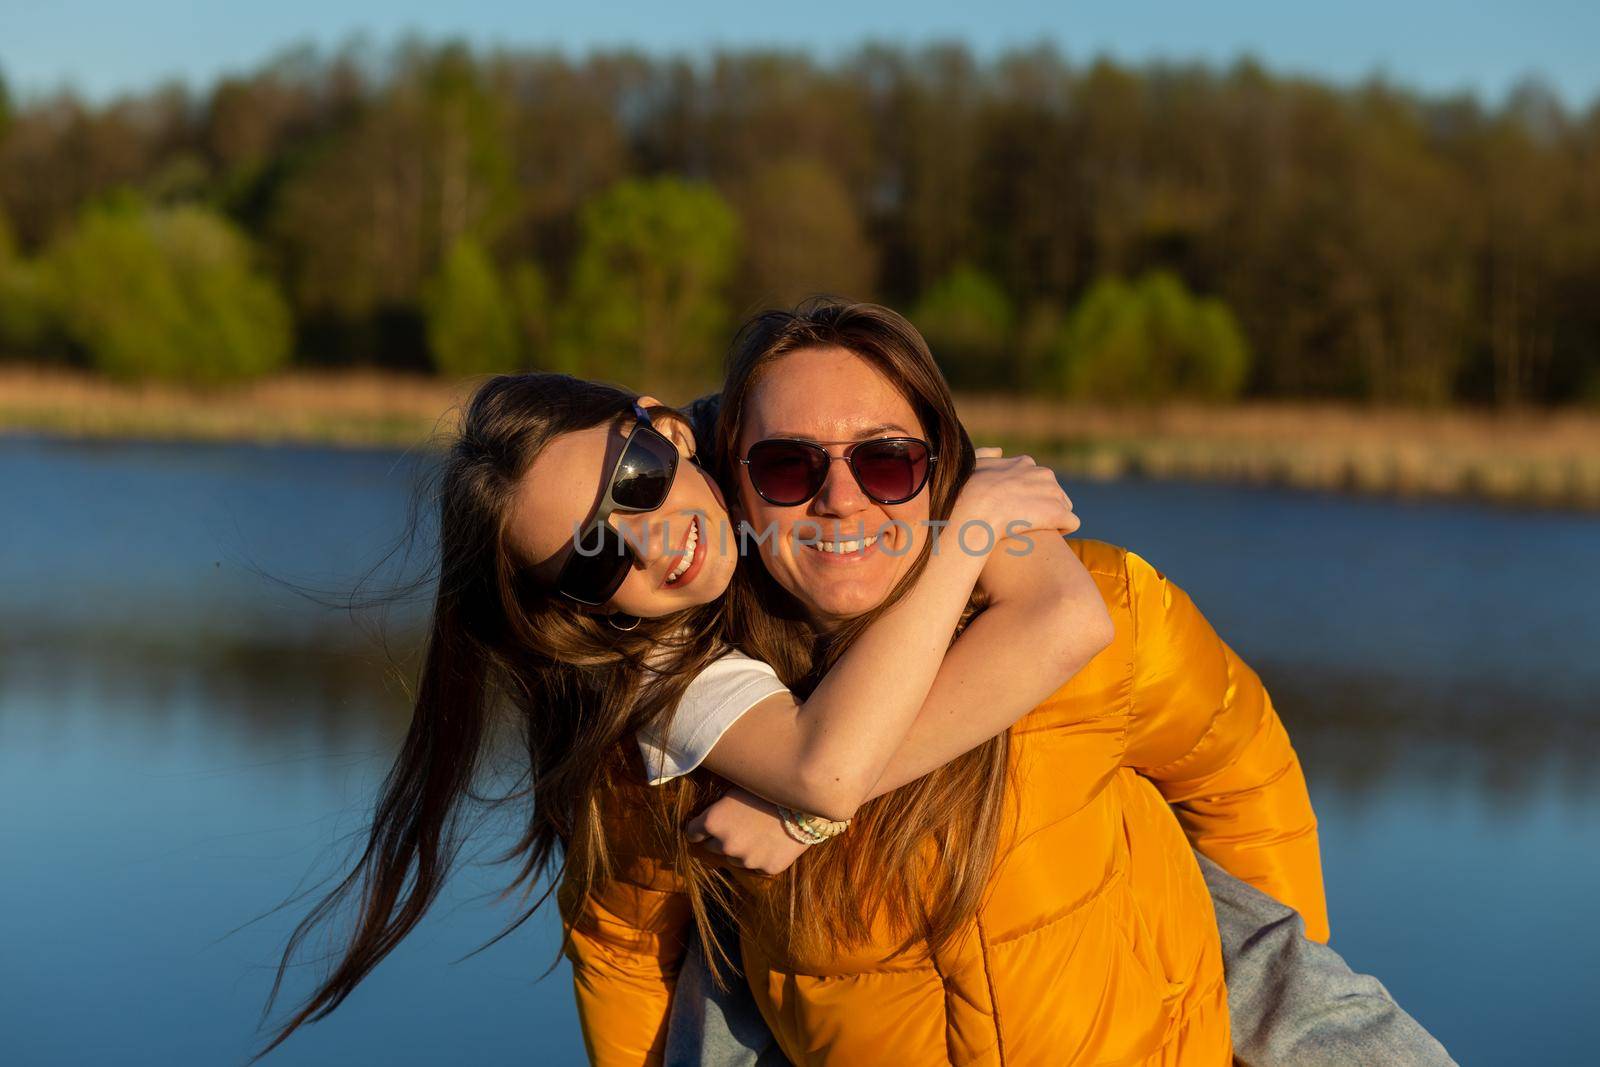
1038, 898
583, 556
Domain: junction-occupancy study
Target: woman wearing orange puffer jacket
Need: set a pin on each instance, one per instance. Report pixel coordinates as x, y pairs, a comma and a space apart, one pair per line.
1033, 901
1095, 942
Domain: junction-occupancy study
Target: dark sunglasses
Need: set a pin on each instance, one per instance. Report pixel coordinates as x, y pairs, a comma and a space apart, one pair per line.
639, 482
786, 472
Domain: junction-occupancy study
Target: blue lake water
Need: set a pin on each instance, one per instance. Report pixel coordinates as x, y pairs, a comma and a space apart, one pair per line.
184, 744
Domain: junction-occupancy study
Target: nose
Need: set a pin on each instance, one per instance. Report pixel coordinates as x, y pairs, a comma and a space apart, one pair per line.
840, 495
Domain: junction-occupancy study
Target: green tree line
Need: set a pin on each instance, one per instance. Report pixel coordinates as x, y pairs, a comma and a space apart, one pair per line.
1093, 230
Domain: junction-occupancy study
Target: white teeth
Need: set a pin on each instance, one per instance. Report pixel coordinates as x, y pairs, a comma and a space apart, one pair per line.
688, 552
837, 547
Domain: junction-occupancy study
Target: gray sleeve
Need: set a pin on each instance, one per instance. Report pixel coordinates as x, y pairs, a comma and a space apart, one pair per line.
717, 1026
1294, 1001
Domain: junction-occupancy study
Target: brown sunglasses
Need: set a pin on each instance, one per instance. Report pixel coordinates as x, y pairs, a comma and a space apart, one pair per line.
787, 472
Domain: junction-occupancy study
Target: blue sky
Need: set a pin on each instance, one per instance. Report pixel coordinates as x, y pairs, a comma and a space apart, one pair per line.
101, 47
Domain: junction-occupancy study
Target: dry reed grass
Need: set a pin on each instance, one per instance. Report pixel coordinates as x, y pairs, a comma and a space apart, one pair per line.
346, 408
1538, 457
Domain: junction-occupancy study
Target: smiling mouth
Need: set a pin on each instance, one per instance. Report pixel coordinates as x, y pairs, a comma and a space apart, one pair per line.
855, 548
690, 549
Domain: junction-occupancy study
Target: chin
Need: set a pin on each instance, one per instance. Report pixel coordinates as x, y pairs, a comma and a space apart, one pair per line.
828, 595
848, 603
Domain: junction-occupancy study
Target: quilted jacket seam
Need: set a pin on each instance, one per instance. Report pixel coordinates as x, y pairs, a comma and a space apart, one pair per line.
1211, 728
1100, 891
994, 999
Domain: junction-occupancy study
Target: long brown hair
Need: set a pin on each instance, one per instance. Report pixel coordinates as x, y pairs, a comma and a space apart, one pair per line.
920, 856
501, 650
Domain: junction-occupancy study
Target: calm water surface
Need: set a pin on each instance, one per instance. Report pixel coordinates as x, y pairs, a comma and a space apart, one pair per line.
184, 744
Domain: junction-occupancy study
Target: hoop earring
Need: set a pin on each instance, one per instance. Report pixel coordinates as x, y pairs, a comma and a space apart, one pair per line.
611, 621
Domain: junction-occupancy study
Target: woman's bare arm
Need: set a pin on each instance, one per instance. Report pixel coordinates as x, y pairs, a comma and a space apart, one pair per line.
827, 752
1046, 621
995, 673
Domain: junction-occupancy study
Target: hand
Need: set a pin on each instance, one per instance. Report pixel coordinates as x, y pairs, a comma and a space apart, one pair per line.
1012, 495
744, 831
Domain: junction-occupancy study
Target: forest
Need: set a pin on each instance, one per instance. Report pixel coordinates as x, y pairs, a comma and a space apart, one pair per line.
1085, 230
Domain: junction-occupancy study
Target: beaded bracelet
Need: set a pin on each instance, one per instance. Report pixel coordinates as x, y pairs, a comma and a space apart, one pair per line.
810, 829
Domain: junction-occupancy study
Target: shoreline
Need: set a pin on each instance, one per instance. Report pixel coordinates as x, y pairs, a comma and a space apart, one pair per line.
1537, 457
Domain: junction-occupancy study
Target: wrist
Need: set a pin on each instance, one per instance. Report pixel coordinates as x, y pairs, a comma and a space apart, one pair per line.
1030, 568
970, 532
807, 829
962, 557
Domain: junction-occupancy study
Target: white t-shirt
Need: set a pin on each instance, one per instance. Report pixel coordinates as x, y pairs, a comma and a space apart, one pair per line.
730, 686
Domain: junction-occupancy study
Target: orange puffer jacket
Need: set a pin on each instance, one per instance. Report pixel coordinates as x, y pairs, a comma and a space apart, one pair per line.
1096, 942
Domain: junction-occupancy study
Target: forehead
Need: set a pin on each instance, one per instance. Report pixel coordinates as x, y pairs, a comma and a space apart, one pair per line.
829, 394
560, 489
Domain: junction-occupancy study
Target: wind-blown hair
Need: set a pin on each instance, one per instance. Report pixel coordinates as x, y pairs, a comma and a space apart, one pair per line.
504, 650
